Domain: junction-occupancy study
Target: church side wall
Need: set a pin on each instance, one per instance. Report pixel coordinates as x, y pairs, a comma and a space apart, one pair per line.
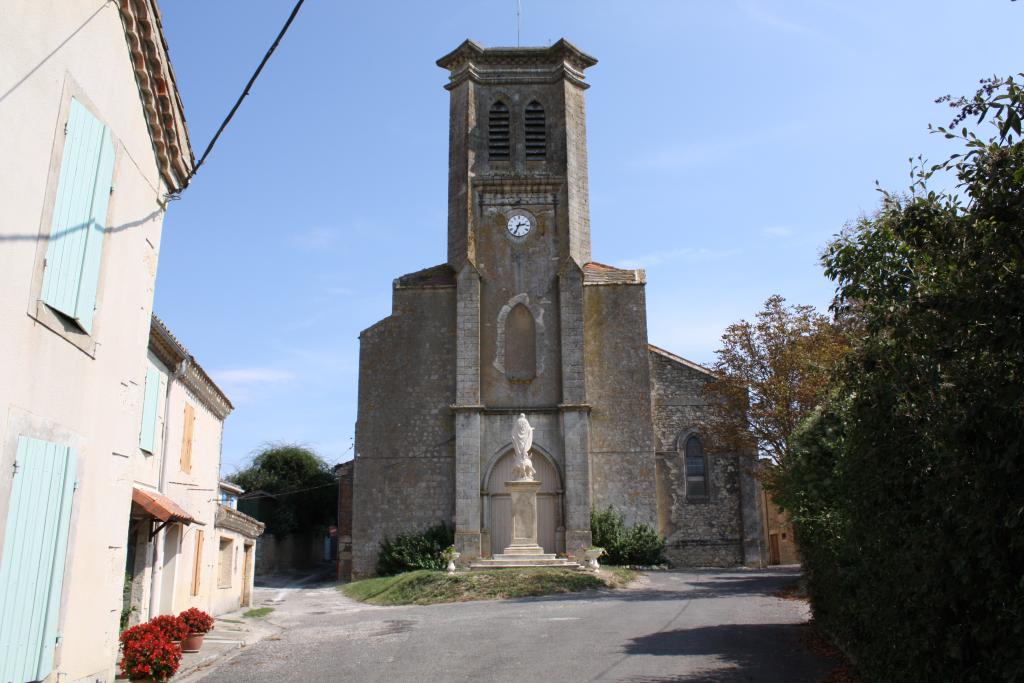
622, 458
404, 476
698, 534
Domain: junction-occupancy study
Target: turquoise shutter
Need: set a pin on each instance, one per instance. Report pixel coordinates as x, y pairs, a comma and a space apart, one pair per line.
32, 565
147, 436
79, 217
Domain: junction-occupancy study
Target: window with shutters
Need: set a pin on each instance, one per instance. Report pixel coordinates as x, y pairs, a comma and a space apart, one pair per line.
696, 469
536, 132
75, 243
499, 132
150, 401
225, 562
197, 564
187, 438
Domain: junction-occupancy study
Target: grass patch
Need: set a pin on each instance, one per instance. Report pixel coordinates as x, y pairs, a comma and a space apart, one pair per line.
258, 612
425, 587
618, 577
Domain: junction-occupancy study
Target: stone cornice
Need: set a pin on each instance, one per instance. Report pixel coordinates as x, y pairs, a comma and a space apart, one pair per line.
184, 366
233, 520
161, 101
516, 65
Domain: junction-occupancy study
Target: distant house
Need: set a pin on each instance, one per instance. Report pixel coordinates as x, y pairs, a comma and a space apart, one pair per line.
236, 562
93, 141
186, 549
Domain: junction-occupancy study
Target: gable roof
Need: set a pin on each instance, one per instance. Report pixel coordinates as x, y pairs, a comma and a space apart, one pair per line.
595, 273
158, 90
679, 360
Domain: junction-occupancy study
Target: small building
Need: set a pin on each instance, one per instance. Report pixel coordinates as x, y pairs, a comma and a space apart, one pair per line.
94, 140
778, 533
237, 533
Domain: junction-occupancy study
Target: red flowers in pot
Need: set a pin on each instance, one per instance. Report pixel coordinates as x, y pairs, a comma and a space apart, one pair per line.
175, 628
198, 623
149, 653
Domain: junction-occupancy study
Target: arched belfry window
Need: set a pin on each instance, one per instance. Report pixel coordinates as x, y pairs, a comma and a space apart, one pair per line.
520, 345
536, 132
498, 132
696, 469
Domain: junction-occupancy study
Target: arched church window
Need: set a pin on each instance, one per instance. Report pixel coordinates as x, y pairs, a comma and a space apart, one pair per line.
536, 132
696, 469
498, 132
520, 345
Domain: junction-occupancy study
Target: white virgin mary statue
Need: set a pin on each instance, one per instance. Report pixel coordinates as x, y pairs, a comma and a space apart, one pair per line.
522, 441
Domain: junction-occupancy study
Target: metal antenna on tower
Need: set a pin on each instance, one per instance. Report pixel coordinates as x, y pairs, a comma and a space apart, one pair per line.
519, 12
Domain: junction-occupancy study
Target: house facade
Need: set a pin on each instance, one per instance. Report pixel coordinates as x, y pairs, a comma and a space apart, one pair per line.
93, 141
521, 319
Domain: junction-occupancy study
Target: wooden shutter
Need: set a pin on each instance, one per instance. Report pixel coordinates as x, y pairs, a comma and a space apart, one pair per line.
197, 567
151, 399
73, 255
32, 565
186, 438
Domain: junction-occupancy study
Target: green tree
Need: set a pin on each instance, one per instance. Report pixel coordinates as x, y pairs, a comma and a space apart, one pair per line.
906, 488
304, 491
770, 374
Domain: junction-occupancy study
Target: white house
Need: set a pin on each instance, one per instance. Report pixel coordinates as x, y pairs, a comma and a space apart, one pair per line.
92, 140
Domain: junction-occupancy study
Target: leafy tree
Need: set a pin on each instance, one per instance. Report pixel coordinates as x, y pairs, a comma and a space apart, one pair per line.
304, 492
905, 488
771, 375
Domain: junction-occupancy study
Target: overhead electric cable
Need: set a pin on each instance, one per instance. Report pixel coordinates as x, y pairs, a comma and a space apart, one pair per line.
248, 86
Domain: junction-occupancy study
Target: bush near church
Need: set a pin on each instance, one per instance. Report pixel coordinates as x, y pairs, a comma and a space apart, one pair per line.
905, 487
408, 552
637, 545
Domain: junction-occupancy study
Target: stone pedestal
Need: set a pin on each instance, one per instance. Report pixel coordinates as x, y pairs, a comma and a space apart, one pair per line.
524, 518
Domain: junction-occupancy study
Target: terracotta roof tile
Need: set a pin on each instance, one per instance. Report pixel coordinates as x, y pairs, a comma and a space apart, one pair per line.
595, 273
160, 506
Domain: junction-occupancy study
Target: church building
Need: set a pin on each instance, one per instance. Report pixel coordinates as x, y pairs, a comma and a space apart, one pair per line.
521, 319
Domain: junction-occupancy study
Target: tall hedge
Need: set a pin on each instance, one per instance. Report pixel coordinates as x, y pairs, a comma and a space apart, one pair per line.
907, 487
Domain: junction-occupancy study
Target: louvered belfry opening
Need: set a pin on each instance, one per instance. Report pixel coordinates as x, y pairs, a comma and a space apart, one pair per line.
536, 133
499, 132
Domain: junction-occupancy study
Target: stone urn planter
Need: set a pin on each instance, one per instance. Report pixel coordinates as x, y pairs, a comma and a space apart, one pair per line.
451, 561
591, 555
193, 643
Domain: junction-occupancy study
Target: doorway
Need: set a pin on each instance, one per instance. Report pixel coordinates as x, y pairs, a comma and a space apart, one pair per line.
498, 511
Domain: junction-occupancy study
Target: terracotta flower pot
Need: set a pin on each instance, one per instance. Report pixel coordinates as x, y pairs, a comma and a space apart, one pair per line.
193, 643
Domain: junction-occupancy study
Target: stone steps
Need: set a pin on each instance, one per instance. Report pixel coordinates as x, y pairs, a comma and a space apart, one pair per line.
512, 562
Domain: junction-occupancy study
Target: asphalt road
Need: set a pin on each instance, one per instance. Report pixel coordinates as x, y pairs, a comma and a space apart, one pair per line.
713, 625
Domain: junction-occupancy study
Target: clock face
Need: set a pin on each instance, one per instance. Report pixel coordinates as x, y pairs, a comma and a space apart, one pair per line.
519, 225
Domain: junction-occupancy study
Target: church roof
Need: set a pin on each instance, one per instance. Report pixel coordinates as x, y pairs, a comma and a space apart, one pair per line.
436, 276
595, 273
680, 360
562, 51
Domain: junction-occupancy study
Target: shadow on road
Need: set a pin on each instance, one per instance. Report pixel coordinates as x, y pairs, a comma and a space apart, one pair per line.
747, 652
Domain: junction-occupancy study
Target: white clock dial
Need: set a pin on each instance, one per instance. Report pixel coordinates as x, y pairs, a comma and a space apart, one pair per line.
519, 226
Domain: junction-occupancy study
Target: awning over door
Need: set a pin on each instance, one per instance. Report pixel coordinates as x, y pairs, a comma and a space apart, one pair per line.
159, 506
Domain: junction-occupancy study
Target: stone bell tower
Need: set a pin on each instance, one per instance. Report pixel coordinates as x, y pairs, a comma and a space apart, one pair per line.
518, 238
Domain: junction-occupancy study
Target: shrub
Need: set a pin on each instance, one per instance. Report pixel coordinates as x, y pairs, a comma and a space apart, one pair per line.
171, 626
639, 544
196, 620
149, 653
422, 550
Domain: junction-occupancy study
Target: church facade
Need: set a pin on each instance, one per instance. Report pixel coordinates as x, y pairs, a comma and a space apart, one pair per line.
520, 319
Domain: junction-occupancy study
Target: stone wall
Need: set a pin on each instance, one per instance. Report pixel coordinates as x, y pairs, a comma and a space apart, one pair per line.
618, 389
403, 477
705, 532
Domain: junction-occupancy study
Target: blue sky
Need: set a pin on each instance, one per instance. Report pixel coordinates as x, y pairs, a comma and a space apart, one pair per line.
728, 140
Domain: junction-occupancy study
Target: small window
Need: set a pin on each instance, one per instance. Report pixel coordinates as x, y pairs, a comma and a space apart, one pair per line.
696, 469
186, 438
499, 132
225, 562
536, 132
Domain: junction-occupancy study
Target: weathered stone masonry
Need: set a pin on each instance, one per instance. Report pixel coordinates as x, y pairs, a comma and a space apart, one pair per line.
529, 323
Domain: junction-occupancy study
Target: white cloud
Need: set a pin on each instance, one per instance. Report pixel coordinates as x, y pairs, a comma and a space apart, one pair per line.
244, 376
756, 12
315, 239
688, 254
